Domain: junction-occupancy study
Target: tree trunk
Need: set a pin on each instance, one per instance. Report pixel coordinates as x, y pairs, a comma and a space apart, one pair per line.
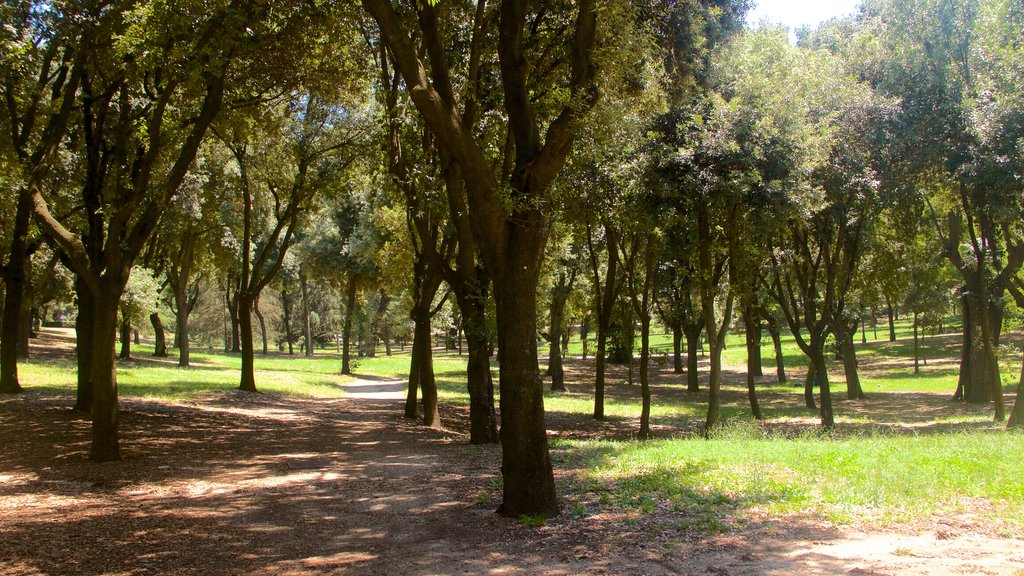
982, 382
605, 304
286, 313
483, 421
1017, 414
692, 332
917, 346
818, 360
350, 310
15, 274
307, 324
780, 361
263, 324
752, 330
559, 294
126, 339
645, 362
181, 302
84, 323
892, 320
809, 382
844, 339
528, 481
248, 376
412, 391
424, 370
105, 410
677, 349
159, 336
233, 309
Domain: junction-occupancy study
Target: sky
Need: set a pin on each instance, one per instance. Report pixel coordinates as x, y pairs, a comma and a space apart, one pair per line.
796, 13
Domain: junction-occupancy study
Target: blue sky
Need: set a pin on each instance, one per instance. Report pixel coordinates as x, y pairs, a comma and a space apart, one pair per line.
796, 13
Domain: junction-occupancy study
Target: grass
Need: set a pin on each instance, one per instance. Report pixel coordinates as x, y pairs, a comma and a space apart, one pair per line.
872, 478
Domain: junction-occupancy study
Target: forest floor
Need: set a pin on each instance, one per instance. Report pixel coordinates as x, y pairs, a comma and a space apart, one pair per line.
240, 484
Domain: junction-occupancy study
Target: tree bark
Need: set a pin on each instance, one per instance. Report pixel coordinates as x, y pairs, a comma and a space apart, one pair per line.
483, 420
84, 323
1016, 419
307, 325
892, 320
677, 349
286, 313
105, 411
424, 370
846, 329
247, 381
780, 361
346, 339
604, 303
263, 324
559, 295
809, 382
126, 338
159, 336
529, 485
14, 276
693, 332
752, 331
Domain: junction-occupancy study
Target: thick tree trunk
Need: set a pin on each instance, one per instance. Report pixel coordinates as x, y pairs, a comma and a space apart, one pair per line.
1017, 414
181, 333
346, 339
892, 321
752, 331
105, 410
233, 310
126, 339
844, 339
286, 313
645, 387
307, 324
26, 319
780, 361
424, 370
692, 332
483, 421
84, 344
809, 381
529, 484
412, 391
159, 336
982, 383
248, 376
15, 273
677, 349
557, 311
818, 360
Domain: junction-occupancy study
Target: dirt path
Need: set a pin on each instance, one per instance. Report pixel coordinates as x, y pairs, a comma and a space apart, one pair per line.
257, 484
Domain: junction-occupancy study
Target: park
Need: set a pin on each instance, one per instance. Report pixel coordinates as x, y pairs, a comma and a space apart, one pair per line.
505, 287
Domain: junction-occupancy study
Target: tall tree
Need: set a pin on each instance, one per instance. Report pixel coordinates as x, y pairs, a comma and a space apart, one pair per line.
509, 221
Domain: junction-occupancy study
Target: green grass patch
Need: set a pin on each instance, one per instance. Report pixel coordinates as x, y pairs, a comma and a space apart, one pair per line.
867, 478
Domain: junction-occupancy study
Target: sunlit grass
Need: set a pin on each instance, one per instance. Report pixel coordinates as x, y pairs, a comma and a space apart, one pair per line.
865, 478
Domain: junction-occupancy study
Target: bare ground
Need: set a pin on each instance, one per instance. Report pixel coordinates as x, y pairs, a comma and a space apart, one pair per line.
257, 484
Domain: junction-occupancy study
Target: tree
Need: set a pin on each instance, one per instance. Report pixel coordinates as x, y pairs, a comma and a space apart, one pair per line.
510, 223
945, 63
301, 152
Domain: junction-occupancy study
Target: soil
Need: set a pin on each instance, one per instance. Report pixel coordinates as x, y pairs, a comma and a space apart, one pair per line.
252, 484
